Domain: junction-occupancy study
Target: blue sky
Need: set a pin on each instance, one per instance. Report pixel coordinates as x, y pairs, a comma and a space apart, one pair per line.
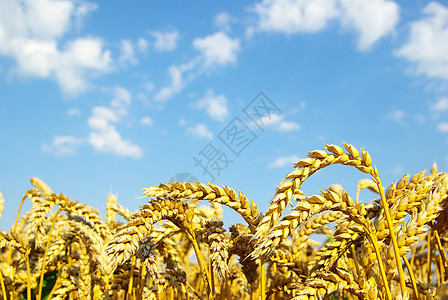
99, 97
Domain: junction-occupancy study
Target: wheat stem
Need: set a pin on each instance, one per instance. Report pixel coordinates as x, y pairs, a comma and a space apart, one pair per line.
377, 179
141, 280
442, 253
39, 297
204, 270
254, 293
262, 279
107, 284
411, 274
3, 286
374, 242
28, 274
131, 276
428, 255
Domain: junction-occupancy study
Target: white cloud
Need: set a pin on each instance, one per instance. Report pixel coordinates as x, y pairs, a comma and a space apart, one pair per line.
177, 80
427, 46
176, 85
443, 127
182, 122
223, 20
127, 53
215, 105
146, 121
276, 122
47, 19
165, 41
400, 117
104, 136
149, 87
62, 145
82, 58
73, 112
294, 16
121, 100
397, 116
420, 119
101, 118
217, 49
142, 44
110, 141
200, 131
128, 50
283, 161
372, 19
31, 33
440, 106
288, 126
82, 10
87, 53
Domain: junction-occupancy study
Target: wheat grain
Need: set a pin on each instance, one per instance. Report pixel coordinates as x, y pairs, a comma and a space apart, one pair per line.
84, 273
218, 243
368, 184
41, 185
111, 204
316, 160
91, 216
198, 191
329, 283
12, 240
243, 246
126, 241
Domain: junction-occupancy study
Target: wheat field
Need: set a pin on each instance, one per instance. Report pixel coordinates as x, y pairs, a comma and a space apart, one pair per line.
176, 246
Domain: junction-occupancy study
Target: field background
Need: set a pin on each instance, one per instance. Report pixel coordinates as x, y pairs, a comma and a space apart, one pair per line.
99, 97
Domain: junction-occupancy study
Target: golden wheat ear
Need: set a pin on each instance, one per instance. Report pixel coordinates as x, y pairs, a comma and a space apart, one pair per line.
197, 191
327, 246
41, 185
